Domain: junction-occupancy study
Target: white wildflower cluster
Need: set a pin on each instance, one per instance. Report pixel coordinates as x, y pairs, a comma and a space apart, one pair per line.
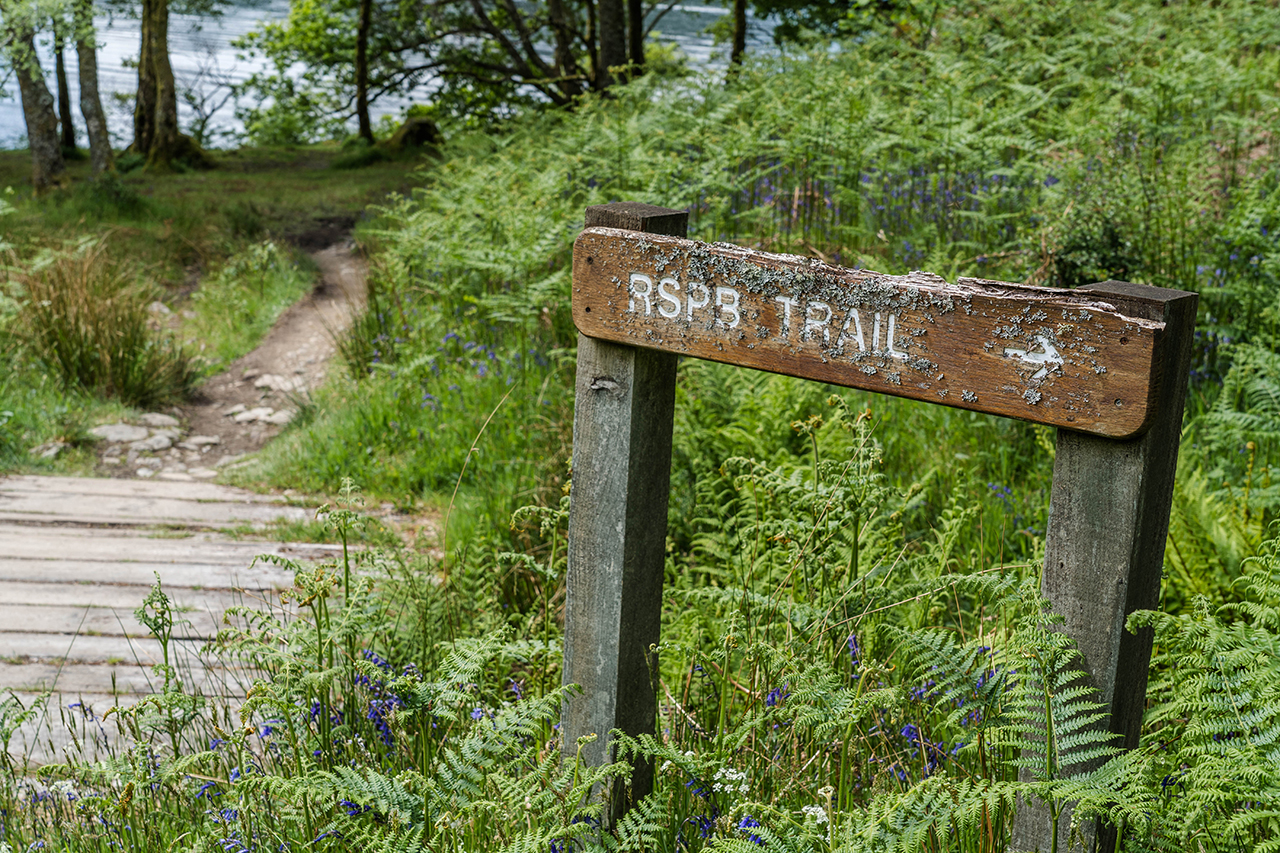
728, 781
818, 813
65, 787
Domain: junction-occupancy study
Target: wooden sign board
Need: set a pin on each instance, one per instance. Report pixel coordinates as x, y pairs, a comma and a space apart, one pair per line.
1060, 357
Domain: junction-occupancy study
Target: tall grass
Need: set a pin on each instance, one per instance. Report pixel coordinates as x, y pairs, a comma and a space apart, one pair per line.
87, 321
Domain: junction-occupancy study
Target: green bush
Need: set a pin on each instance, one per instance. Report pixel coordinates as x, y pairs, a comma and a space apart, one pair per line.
88, 322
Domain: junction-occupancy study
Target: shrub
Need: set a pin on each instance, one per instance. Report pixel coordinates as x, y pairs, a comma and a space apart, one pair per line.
89, 324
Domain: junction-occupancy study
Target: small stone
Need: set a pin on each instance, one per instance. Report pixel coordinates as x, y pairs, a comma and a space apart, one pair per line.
113, 452
156, 419
160, 441
278, 383
118, 432
175, 466
235, 410
281, 417
203, 440
229, 459
188, 314
159, 308
149, 462
111, 460
202, 473
144, 473
251, 415
175, 476
48, 450
249, 373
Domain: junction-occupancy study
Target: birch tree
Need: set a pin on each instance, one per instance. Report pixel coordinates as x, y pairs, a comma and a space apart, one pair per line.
95, 118
18, 25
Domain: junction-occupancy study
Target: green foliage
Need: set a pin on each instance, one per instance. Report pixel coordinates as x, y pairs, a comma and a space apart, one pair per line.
1213, 733
361, 155
236, 306
89, 324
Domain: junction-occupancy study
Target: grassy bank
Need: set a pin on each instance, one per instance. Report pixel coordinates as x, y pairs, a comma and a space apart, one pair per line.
196, 266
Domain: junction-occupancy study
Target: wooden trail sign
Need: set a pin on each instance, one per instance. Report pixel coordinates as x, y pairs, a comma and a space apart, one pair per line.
1106, 364
1056, 357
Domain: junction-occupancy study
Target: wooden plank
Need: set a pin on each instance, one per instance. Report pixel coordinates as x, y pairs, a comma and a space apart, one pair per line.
130, 545
1104, 550
623, 413
43, 618
126, 679
87, 648
70, 728
118, 596
261, 579
28, 508
104, 487
1058, 357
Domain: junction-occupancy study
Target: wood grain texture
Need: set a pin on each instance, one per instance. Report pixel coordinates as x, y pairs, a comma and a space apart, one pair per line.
1104, 550
624, 407
1059, 357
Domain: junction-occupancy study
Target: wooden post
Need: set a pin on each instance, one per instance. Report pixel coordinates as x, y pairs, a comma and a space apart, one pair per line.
1108, 519
622, 423
1106, 364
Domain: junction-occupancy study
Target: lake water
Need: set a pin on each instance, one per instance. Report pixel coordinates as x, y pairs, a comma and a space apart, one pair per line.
202, 56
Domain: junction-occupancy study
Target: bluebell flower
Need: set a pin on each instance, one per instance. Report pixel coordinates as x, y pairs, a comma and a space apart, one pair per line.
354, 809
745, 826
855, 651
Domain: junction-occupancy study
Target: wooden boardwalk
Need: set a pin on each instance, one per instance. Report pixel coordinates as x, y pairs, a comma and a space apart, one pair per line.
77, 556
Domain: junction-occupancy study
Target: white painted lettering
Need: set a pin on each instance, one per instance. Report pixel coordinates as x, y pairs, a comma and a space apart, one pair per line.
787, 302
851, 318
667, 296
634, 291
817, 320
727, 301
696, 303
875, 334
893, 353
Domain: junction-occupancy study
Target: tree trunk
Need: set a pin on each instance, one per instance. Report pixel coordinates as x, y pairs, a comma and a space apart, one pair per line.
613, 39
64, 91
362, 70
566, 64
47, 166
167, 143
144, 109
635, 34
739, 36
593, 50
90, 103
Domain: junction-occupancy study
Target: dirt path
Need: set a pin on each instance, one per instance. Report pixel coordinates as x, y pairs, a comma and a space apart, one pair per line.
239, 410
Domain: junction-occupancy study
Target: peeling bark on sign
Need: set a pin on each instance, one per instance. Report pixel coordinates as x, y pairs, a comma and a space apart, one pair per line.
1050, 356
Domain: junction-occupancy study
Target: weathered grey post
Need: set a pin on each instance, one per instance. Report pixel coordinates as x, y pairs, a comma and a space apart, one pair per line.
622, 422
1108, 519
